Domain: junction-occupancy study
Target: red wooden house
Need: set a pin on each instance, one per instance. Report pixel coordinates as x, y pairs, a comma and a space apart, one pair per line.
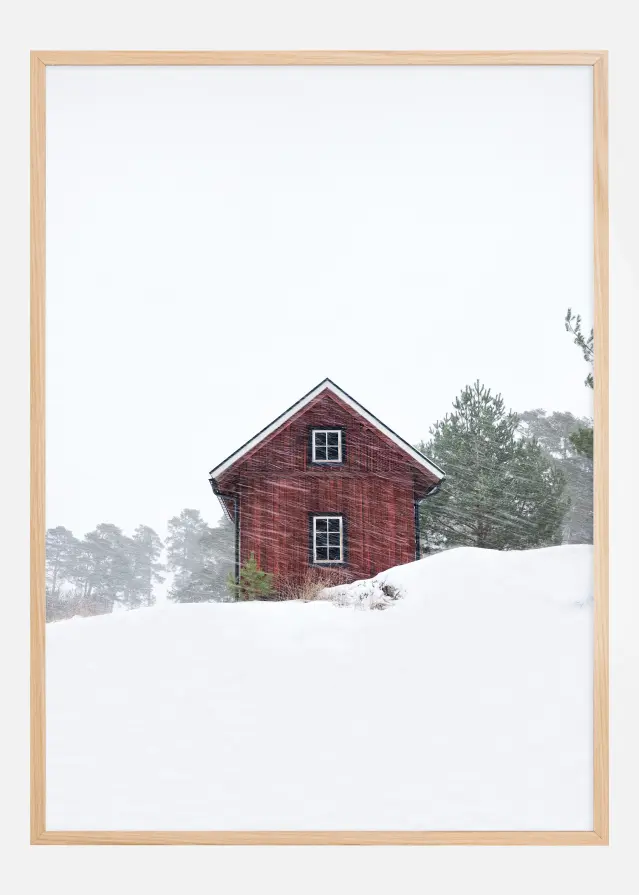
325, 485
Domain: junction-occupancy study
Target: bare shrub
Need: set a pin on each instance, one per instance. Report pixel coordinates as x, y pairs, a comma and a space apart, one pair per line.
310, 585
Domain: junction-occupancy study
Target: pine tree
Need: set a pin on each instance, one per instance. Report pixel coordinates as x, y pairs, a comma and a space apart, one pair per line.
199, 557
556, 433
61, 554
572, 323
62, 550
145, 549
502, 491
582, 439
253, 584
104, 569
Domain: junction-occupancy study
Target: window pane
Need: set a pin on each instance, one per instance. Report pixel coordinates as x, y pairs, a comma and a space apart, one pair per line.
333, 453
327, 539
320, 438
333, 438
320, 453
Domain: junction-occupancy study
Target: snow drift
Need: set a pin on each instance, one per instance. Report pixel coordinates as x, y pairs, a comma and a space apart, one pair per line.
559, 574
467, 704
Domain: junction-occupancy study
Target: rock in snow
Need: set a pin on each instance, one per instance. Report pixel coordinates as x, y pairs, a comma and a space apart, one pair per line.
467, 704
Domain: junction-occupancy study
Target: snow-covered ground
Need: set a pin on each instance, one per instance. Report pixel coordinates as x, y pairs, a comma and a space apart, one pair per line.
467, 704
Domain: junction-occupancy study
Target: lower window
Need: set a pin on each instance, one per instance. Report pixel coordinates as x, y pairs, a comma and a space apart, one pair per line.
328, 539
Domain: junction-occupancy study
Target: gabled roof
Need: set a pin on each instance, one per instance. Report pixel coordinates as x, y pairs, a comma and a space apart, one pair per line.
327, 385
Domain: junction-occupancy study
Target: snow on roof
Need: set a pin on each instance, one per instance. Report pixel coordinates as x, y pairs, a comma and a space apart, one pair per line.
329, 385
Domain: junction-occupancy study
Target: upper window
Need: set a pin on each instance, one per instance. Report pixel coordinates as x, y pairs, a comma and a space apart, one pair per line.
326, 445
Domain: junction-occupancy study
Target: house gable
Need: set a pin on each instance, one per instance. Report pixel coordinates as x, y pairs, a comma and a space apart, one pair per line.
324, 407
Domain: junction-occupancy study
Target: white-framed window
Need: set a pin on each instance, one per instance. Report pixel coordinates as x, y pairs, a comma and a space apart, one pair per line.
326, 445
328, 539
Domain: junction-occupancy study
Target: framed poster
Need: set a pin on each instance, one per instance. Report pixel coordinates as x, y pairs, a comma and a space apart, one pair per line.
324, 554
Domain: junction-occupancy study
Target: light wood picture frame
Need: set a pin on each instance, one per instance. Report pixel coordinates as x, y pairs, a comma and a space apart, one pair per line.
40, 60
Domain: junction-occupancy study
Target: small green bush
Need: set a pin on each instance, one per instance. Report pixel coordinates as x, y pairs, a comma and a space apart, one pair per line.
253, 584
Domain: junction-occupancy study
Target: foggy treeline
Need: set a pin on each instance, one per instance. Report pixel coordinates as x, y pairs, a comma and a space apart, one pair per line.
106, 569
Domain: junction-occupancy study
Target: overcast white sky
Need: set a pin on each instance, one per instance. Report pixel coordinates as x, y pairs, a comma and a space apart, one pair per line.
221, 239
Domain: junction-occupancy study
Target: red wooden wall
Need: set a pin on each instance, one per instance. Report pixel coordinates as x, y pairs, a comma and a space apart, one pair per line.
374, 489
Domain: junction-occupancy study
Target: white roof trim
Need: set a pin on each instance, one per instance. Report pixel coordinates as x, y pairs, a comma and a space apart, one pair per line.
328, 385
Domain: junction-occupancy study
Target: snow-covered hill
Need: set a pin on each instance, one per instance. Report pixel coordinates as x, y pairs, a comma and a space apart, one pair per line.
465, 705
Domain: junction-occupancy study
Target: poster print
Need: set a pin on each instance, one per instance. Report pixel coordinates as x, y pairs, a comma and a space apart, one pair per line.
320, 413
